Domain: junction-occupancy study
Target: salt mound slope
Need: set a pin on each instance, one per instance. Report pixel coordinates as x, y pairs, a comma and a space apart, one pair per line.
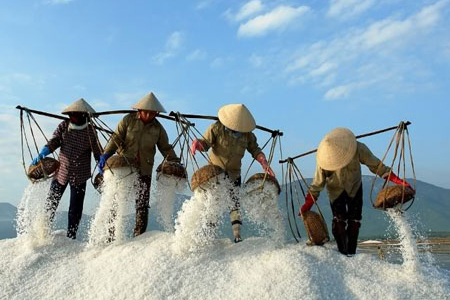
146, 267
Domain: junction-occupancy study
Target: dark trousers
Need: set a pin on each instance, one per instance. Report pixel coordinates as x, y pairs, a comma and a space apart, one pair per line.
142, 204
77, 193
347, 214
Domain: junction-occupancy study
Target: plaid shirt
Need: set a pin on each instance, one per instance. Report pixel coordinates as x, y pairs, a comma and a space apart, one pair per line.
75, 153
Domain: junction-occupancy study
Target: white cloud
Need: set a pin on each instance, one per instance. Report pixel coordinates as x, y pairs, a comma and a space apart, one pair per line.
382, 43
173, 44
217, 63
389, 30
248, 9
196, 55
256, 61
323, 69
56, 2
161, 58
174, 41
277, 19
338, 92
220, 62
204, 4
344, 9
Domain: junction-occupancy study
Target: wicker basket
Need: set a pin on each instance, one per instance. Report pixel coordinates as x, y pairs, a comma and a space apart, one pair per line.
259, 177
46, 167
205, 174
392, 196
316, 228
118, 161
172, 168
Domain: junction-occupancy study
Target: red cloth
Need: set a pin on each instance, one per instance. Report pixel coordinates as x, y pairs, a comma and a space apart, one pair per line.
309, 201
394, 178
75, 153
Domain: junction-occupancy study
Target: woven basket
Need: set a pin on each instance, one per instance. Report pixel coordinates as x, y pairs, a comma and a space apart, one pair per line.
205, 174
259, 177
98, 181
46, 166
316, 228
172, 168
118, 161
392, 196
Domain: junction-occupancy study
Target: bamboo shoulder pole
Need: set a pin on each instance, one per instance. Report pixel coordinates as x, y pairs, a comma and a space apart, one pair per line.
127, 111
55, 116
192, 116
357, 137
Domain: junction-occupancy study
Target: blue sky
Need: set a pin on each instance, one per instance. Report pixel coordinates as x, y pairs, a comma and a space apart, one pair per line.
304, 67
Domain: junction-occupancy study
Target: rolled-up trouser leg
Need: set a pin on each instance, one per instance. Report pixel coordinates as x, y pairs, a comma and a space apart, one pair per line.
235, 216
142, 204
236, 223
77, 193
340, 234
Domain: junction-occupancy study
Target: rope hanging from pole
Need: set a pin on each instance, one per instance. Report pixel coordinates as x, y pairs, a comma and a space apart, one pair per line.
357, 137
24, 136
296, 188
399, 150
189, 132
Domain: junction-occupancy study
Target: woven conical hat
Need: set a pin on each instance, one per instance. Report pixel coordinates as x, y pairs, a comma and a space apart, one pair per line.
149, 102
236, 117
337, 149
79, 106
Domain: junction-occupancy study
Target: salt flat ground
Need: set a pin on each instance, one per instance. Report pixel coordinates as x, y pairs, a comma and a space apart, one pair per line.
151, 266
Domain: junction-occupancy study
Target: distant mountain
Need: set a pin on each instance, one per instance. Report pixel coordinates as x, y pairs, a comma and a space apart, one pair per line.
7, 220
430, 214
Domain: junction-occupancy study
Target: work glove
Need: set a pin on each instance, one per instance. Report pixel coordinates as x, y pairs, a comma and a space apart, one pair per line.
102, 162
309, 201
196, 145
394, 178
44, 152
261, 158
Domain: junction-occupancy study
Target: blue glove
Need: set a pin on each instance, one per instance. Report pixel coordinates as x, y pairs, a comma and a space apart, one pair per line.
102, 162
44, 152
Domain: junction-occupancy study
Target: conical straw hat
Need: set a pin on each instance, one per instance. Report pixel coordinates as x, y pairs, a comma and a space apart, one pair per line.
236, 117
149, 102
79, 106
336, 149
